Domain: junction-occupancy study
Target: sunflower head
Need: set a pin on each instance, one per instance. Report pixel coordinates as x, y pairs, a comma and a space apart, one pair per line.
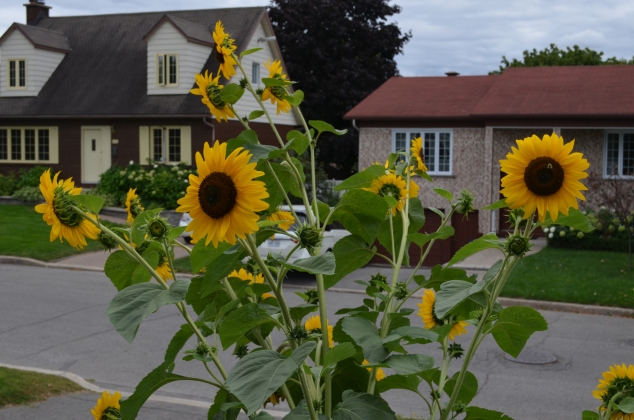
108, 407
517, 245
210, 89
275, 399
543, 175
285, 218
224, 199
58, 211
395, 186
313, 326
223, 51
309, 237
277, 94
380, 374
618, 379
158, 228
419, 153
428, 315
133, 205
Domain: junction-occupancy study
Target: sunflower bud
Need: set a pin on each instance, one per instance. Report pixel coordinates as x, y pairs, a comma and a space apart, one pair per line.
464, 205
158, 228
459, 407
244, 83
259, 92
309, 237
111, 413
516, 217
298, 333
202, 349
312, 297
106, 241
517, 245
241, 351
400, 291
455, 350
378, 278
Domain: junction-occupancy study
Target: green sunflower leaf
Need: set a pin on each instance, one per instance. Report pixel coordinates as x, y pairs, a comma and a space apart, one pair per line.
421, 239
261, 151
488, 241
468, 390
284, 175
300, 412
124, 270
270, 82
93, 203
500, 204
238, 322
296, 98
589, 415
477, 413
575, 219
203, 255
322, 126
254, 115
452, 293
351, 253
365, 335
297, 141
178, 342
359, 405
338, 353
409, 364
514, 327
445, 194
362, 179
250, 51
321, 264
231, 93
408, 382
626, 405
361, 213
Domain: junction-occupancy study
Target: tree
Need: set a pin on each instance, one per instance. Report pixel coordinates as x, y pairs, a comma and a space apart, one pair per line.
553, 56
339, 52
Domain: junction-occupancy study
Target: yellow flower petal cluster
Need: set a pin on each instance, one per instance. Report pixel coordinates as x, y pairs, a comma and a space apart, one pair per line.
394, 186
56, 212
380, 374
276, 94
107, 404
209, 89
224, 198
419, 153
223, 50
280, 215
275, 399
313, 324
164, 271
543, 174
133, 205
430, 320
247, 276
616, 379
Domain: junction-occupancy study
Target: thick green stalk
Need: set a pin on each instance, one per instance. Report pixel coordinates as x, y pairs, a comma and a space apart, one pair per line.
443, 375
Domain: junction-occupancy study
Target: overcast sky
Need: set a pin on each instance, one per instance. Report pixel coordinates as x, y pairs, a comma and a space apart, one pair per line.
466, 36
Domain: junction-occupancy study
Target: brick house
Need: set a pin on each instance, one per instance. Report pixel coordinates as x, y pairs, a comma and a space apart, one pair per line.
469, 123
83, 93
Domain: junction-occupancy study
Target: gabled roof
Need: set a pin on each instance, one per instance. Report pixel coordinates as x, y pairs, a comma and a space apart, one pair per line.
529, 92
40, 38
193, 32
106, 72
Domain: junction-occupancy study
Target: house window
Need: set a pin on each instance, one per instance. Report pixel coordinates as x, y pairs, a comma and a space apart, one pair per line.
167, 70
255, 74
29, 145
17, 74
437, 147
172, 143
619, 154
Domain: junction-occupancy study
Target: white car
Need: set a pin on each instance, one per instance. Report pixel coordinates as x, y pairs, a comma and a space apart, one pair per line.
282, 244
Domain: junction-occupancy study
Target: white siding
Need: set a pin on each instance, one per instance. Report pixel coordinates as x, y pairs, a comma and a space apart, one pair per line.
247, 103
191, 58
40, 64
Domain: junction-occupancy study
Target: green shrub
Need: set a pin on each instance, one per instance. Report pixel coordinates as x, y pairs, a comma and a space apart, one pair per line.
108, 199
8, 184
28, 194
609, 234
30, 177
157, 185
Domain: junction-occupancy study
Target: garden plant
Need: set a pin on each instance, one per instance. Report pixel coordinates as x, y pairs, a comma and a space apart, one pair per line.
236, 300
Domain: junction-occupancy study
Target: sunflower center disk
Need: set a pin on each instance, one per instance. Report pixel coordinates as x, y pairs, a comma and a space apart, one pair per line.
218, 54
217, 195
391, 190
544, 176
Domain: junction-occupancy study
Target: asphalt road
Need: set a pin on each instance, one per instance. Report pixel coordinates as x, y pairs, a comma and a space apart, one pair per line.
56, 319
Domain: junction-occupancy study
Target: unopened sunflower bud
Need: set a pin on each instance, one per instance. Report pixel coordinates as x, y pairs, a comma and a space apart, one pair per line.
259, 92
317, 405
106, 241
298, 333
400, 291
517, 245
459, 407
455, 350
476, 315
464, 205
516, 217
158, 228
309, 237
241, 351
312, 297
202, 349
244, 83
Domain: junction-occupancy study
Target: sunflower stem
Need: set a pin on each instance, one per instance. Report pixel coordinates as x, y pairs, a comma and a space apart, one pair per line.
443, 376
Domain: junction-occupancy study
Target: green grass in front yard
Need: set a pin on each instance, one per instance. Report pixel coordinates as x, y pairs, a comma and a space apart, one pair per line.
574, 276
23, 233
18, 387
183, 265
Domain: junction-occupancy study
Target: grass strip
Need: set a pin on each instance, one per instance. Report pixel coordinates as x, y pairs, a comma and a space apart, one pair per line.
18, 387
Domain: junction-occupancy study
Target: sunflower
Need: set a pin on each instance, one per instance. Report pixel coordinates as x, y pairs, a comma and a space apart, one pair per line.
616, 379
419, 153
380, 374
164, 271
133, 205
223, 50
57, 212
107, 407
429, 317
275, 399
286, 217
223, 200
543, 175
313, 326
394, 186
276, 94
209, 89
246, 276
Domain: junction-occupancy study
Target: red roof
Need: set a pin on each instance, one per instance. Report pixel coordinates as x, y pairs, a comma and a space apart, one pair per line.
582, 91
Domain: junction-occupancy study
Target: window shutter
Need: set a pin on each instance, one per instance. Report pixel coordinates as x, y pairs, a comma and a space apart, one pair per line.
53, 144
144, 144
186, 144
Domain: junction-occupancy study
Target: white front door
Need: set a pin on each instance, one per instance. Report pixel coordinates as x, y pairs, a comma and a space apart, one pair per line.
95, 154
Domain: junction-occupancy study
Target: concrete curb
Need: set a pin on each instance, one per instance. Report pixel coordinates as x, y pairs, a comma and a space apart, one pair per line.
536, 304
94, 388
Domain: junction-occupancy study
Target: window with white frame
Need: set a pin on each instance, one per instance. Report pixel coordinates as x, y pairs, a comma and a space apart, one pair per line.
619, 154
16, 74
166, 145
255, 74
18, 144
167, 69
437, 147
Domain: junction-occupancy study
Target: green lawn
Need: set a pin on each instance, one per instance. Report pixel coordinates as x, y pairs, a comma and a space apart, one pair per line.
23, 233
18, 387
574, 276
183, 265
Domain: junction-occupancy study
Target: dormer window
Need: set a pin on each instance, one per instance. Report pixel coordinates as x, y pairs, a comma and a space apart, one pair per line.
17, 74
167, 69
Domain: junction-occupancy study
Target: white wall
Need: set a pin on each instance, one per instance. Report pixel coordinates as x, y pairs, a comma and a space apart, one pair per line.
191, 59
40, 64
